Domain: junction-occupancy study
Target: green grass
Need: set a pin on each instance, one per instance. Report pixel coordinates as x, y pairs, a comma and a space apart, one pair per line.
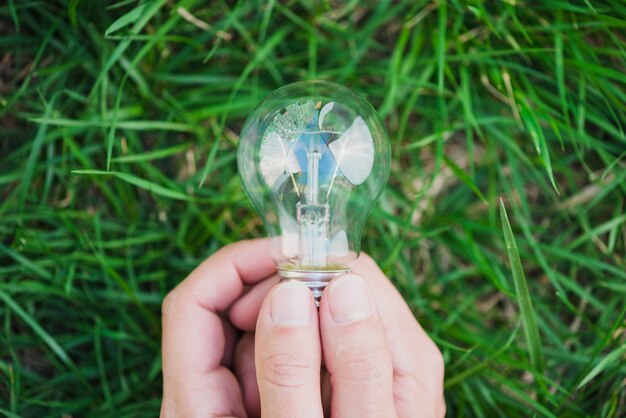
118, 176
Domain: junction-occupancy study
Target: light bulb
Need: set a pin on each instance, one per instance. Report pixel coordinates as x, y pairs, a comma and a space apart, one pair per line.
313, 158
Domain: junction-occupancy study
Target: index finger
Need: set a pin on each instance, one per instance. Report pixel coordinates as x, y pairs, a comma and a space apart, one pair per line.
218, 281
192, 331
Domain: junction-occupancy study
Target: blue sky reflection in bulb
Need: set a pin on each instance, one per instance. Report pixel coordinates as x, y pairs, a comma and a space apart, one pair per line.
313, 158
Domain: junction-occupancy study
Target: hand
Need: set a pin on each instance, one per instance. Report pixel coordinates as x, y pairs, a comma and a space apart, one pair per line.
208, 344
380, 362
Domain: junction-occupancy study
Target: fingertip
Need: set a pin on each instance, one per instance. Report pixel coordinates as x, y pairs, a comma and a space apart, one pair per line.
251, 258
291, 304
347, 299
260, 245
364, 262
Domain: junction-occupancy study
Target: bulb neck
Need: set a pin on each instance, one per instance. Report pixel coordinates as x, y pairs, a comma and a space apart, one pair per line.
316, 280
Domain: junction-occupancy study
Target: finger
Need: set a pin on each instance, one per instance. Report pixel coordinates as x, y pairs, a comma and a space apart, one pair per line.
219, 280
245, 370
288, 353
326, 391
231, 337
193, 337
417, 362
355, 350
245, 311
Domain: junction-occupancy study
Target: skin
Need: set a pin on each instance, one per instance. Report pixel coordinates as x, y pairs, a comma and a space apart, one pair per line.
237, 342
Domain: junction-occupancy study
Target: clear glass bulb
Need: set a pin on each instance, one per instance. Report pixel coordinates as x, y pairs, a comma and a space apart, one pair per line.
313, 158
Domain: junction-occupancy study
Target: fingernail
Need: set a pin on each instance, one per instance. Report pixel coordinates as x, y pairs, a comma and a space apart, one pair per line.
349, 299
291, 305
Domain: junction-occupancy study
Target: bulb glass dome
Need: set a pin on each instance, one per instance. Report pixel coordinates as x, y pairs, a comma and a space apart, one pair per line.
313, 158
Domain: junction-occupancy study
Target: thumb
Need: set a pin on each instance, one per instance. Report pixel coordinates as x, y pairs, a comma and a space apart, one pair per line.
355, 350
288, 353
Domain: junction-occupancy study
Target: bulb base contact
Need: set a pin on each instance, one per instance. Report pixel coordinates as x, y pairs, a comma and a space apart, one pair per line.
316, 280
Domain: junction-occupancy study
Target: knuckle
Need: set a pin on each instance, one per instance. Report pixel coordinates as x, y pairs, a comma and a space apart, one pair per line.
437, 361
442, 408
365, 363
166, 305
288, 369
420, 380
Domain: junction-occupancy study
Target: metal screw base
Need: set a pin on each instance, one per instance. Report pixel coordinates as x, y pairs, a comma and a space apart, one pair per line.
316, 280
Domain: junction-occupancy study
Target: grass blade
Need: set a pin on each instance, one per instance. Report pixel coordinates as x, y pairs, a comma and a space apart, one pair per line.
141, 183
608, 361
532, 125
152, 155
458, 171
37, 329
126, 19
529, 318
